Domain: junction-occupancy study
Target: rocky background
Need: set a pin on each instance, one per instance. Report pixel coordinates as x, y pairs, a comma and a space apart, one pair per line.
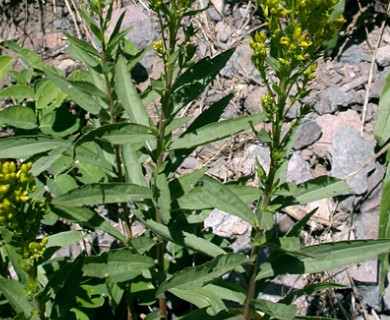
335, 139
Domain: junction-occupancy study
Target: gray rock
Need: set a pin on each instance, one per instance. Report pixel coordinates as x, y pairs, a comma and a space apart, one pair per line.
228, 226
213, 14
370, 295
298, 169
252, 101
332, 99
363, 225
354, 55
346, 154
224, 31
307, 133
240, 63
379, 83
383, 56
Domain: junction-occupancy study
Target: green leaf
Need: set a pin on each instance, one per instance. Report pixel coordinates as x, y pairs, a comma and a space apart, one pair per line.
196, 277
120, 265
214, 194
163, 198
61, 184
59, 122
195, 79
121, 133
132, 165
18, 92
42, 162
25, 146
322, 257
128, 95
276, 310
46, 93
216, 131
100, 193
87, 218
297, 228
18, 117
384, 227
382, 125
65, 297
5, 65
17, 296
312, 190
84, 46
210, 115
202, 314
85, 100
202, 298
65, 238
309, 290
183, 238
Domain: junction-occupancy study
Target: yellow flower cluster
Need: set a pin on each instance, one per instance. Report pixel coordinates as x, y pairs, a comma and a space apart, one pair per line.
15, 186
158, 47
18, 212
37, 249
297, 29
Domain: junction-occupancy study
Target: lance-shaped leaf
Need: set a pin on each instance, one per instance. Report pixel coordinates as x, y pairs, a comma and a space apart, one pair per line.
210, 115
120, 265
185, 239
312, 190
65, 238
132, 166
216, 131
65, 296
5, 65
120, 133
18, 117
382, 125
202, 298
85, 100
18, 92
322, 257
384, 227
163, 197
193, 82
196, 277
214, 194
87, 218
17, 296
128, 95
100, 193
276, 310
25, 146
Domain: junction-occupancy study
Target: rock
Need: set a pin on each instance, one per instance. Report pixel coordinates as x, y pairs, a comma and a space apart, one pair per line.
363, 225
365, 272
370, 295
254, 152
330, 126
214, 14
379, 83
373, 198
307, 133
191, 163
53, 40
332, 99
383, 56
252, 101
240, 63
226, 225
298, 169
354, 55
142, 31
346, 155
224, 31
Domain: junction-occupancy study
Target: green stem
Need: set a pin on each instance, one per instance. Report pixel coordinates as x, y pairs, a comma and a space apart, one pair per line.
269, 185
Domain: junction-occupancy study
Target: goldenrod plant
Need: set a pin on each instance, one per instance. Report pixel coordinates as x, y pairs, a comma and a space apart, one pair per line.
91, 143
